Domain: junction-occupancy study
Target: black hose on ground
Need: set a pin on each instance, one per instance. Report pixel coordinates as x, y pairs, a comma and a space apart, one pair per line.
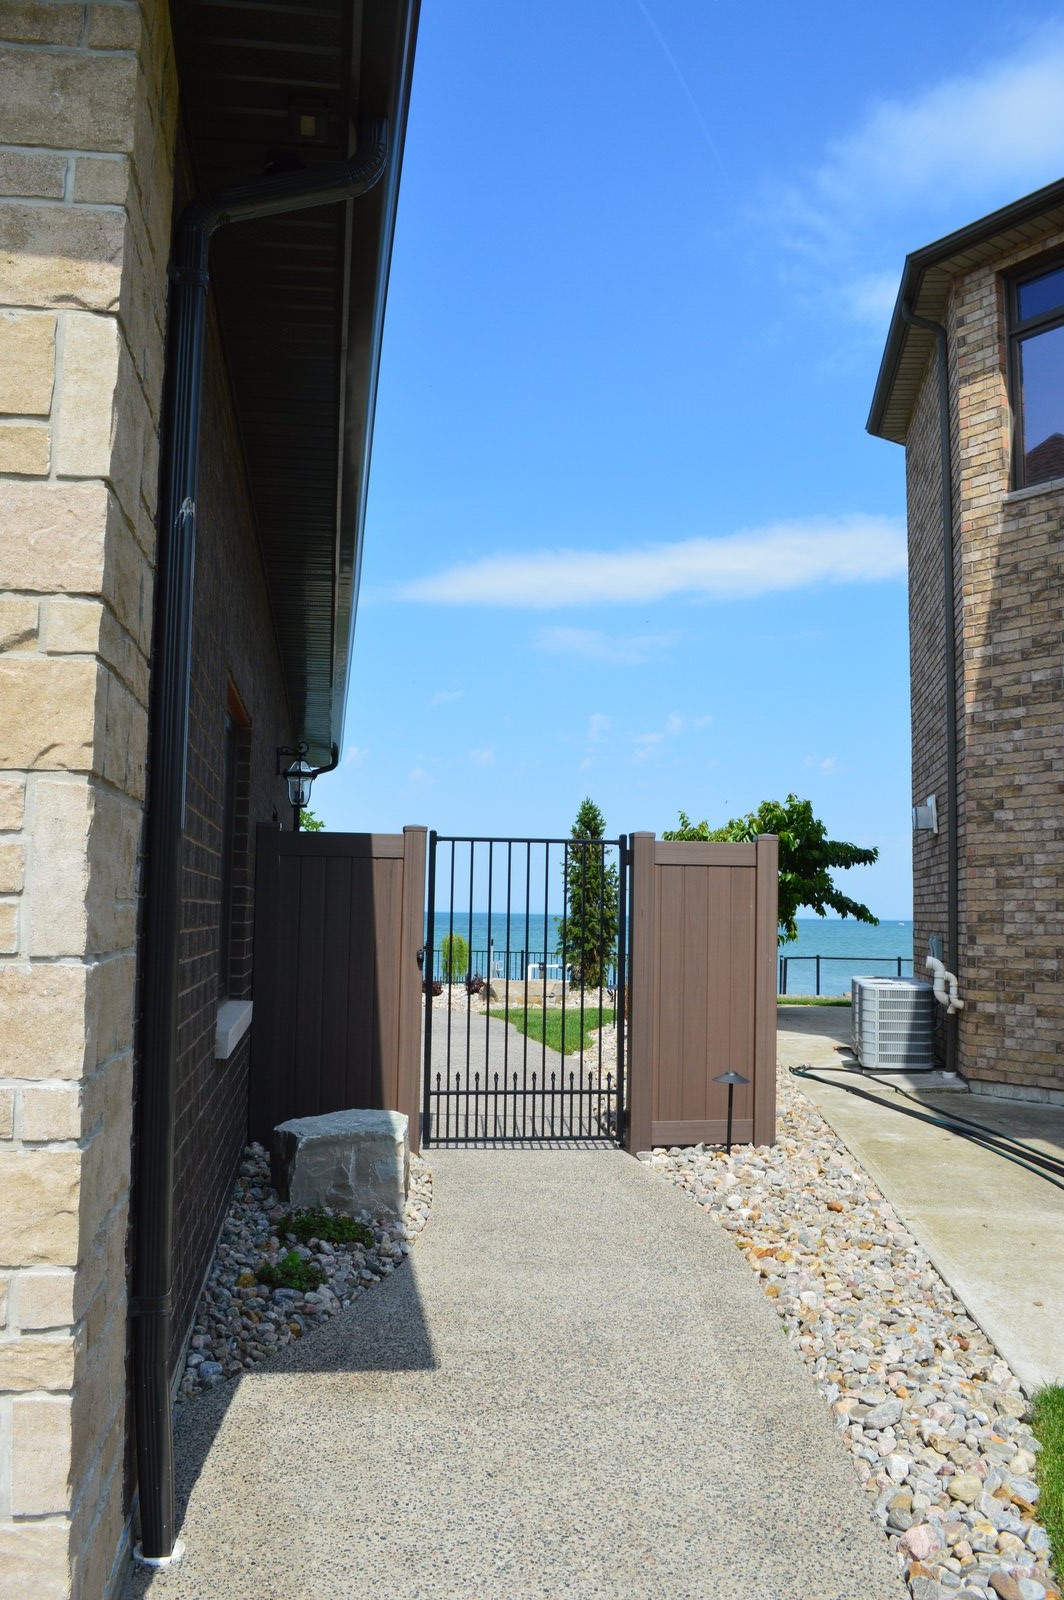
1022, 1155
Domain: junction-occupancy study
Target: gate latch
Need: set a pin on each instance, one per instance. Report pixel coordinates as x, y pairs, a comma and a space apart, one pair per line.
421, 959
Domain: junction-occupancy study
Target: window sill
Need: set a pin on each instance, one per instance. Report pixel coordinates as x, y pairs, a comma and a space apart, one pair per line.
1017, 496
234, 1020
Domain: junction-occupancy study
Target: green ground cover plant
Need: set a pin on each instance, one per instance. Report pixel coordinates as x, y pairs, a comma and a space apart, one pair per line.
1047, 1419
291, 1272
549, 1025
314, 1222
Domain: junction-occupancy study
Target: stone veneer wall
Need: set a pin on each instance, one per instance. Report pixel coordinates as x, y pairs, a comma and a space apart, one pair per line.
88, 107
1009, 550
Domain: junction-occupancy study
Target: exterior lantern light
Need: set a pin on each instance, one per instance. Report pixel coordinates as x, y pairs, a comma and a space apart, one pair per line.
731, 1079
299, 776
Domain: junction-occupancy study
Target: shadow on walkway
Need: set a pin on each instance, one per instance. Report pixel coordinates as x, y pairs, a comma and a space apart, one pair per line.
574, 1389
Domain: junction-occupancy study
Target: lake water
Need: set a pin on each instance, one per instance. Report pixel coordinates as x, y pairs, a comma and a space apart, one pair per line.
846, 949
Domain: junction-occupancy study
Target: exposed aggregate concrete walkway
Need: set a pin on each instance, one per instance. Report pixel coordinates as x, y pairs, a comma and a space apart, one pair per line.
574, 1389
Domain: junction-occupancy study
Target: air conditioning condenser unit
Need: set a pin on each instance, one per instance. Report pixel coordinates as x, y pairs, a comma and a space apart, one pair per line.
893, 1022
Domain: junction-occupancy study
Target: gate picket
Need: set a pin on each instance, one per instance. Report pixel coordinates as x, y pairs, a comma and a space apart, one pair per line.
546, 964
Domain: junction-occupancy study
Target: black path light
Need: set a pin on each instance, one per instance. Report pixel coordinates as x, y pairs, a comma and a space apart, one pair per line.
300, 775
731, 1079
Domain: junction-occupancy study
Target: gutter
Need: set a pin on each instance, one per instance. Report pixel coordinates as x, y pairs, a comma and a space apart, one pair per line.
950, 652
151, 1308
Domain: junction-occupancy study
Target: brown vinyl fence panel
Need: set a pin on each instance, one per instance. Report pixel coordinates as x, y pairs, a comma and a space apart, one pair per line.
339, 920
702, 995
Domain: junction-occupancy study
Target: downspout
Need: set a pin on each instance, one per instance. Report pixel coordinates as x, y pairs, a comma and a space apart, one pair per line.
151, 1305
950, 650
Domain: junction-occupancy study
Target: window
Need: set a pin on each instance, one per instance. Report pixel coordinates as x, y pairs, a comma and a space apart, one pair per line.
1036, 362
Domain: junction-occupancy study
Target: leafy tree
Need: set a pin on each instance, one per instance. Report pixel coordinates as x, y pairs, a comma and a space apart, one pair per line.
807, 856
455, 953
587, 934
309, 822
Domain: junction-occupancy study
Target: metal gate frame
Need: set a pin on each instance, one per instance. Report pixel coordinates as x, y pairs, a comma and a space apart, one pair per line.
531, 1111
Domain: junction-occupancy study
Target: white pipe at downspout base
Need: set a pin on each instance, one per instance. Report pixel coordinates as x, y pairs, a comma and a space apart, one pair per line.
945, 986
159, 1561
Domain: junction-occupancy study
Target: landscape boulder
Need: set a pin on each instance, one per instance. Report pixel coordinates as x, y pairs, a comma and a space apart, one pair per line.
350, 1160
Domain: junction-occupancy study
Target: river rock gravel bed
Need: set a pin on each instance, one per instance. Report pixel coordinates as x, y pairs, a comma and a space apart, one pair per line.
933, 1417
240, 1322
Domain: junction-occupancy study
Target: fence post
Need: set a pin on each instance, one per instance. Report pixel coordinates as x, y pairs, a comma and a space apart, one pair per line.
411, 993
642, 1001
765, 945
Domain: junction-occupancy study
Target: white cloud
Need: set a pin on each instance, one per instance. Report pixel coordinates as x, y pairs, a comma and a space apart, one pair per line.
913, 168
418, 776
1000, 126
675, 724
443, 697
822, 763
355, 755
782, 556
617, 650
484, 757
598, 725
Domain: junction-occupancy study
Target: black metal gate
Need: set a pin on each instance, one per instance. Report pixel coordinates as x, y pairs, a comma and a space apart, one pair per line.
524, 1005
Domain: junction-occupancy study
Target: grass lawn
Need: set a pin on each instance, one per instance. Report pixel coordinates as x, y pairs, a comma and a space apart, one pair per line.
1048, 1422
533, 1021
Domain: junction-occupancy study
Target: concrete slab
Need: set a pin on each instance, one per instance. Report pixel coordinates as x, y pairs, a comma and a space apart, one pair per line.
575, 1390
993, 1230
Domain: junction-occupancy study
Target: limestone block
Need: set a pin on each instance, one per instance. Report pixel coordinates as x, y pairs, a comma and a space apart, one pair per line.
110, 1007
351, 1160
7, 1113
32, 175
48, 712
101, 180
31, 22
18, 623
45, 1300
43, 1020
40, 1456
12, 868
65, 101
60, 256
114, 27
25, 449
69, 627
52, 536
40, 1363
27, 363
128, 578
124, 744
39, 1194
34, 1555
8, 927
12, 804
56, 903
86, 408
106, 1164
50, 1112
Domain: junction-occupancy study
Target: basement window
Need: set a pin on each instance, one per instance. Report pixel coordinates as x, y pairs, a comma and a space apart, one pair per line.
1036, 375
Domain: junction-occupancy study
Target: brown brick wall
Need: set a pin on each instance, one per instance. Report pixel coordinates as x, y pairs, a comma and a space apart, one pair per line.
233, 643
1009, 551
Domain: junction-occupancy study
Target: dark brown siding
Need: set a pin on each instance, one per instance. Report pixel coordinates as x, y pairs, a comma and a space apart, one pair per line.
233, 645
702, 997
338, 989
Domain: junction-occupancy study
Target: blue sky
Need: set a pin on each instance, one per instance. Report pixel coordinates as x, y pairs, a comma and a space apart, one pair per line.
627, 536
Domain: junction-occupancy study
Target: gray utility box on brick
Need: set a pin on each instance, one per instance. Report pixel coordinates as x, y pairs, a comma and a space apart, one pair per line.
893, 1021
